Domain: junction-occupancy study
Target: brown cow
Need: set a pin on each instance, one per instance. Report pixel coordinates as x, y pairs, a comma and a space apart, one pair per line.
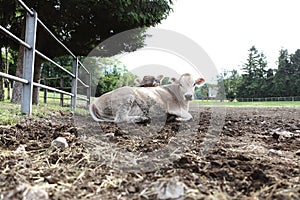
133, 104
149, 81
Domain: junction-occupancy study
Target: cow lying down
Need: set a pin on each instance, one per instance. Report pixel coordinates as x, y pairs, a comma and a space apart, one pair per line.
149, 81
133, 104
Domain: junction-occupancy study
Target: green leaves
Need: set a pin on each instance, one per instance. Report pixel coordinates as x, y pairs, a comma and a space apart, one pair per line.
257, 81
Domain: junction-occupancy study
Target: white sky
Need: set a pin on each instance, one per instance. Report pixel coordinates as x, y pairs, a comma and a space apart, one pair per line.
226, 29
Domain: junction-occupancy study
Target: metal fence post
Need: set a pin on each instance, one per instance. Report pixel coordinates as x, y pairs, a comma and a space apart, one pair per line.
45, 91
74, 84
28, 62
61, 94
88, 94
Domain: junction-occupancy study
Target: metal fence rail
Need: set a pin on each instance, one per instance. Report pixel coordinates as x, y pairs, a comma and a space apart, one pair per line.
292, 98
30, 52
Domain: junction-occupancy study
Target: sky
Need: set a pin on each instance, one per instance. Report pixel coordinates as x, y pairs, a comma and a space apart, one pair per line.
226, 29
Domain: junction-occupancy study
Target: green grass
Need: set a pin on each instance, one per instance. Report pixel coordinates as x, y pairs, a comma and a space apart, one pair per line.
250, 104
10, 113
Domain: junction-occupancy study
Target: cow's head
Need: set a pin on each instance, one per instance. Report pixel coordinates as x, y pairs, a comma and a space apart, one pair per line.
187, 85
149, 81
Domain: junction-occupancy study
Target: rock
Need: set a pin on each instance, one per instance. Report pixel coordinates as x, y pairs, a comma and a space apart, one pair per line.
36, 193
131, 189
28, 192
60, 142
109, 135
297, 152
21, 149
170, 189
286, 134
276, 152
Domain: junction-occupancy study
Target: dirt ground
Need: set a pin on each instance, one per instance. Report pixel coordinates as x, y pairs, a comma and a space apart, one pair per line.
243, 153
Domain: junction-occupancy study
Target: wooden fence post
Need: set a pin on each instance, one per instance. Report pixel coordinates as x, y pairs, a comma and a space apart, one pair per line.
28, 62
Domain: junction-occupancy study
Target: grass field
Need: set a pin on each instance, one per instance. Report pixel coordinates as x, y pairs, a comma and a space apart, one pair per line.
10, 113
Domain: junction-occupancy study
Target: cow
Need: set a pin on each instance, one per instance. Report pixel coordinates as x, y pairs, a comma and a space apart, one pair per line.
149, 81
133, 104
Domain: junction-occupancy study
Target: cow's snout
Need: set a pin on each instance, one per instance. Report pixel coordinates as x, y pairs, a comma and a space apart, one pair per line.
188, 96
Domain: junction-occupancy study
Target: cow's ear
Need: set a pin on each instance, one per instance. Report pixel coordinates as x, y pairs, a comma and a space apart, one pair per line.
174, 80
199, 81
160, 77
137, 81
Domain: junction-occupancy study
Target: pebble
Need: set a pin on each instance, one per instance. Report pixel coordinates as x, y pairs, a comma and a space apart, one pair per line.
171, 189
36, 193
277, 152
60, 142
21, 149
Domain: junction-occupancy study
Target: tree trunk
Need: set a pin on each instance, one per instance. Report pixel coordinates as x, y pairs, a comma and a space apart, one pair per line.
1, 78
17, 88
7, 81
36, 78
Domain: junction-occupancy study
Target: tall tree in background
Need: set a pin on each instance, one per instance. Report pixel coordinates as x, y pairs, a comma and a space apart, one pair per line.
259, 82
281, 79
254, 75
82, 25
295, 73
287, 77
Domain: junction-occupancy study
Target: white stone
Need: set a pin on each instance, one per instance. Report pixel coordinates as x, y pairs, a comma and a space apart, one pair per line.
170, 189
60, 142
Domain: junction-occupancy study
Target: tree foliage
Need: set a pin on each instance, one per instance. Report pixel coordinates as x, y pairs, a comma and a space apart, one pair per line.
257, 81
114, 77
82, 25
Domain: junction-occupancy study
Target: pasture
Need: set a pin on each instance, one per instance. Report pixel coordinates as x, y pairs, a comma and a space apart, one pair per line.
255, 155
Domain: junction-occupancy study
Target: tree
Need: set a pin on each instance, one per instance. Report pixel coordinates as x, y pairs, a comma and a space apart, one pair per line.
202, 92
231, 81
254, 75
282, 79
82, 25
8, 57
295, 73
114, 77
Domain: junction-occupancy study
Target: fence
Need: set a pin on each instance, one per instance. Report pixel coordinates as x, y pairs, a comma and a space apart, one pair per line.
293, 98
32, 21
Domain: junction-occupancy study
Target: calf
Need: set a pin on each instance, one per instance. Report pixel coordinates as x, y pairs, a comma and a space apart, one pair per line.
133, 104
149, 81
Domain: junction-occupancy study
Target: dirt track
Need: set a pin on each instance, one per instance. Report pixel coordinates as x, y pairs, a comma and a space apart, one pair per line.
256, 155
